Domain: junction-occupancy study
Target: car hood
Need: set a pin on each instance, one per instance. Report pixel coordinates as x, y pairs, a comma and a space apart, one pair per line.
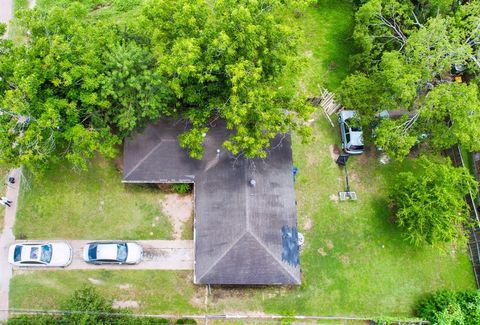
356, 138
135, 253
61, 254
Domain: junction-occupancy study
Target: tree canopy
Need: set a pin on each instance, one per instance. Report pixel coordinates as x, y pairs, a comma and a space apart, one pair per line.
410, 52
429, 203
78, 86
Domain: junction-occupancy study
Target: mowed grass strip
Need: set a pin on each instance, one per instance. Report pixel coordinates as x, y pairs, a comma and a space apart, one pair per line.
154, 291
65, 204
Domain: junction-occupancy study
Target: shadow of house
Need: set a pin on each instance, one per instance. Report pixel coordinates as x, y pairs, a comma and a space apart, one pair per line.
244, 234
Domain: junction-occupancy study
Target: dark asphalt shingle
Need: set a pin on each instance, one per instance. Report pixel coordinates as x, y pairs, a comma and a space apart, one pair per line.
238, 227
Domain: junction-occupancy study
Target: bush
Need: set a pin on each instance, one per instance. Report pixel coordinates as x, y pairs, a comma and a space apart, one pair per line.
34, 320
448, 307
126, 5
429, 202
186, 321
182, 188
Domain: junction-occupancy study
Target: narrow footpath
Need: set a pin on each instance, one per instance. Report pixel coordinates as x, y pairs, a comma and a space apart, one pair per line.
6, 239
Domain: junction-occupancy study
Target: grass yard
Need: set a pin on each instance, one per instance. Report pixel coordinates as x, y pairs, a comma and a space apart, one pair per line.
156, 291
90, 205
354, 261
328, 44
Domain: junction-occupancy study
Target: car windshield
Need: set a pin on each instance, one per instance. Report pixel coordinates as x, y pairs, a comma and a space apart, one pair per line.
92, 252
17, 254
121, 252
46, 255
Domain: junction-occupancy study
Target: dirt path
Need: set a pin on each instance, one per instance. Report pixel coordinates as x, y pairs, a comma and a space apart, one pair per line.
6, 239
178, 208
158, 255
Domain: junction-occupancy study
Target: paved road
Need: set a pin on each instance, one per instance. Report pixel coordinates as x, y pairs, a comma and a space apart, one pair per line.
158, 255
6, 239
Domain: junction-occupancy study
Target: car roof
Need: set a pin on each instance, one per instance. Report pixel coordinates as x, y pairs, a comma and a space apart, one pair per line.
107, 251
31, 252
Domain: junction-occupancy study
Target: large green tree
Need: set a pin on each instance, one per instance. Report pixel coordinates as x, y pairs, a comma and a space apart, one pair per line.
78, 85
223, 60
405, 65
429, 203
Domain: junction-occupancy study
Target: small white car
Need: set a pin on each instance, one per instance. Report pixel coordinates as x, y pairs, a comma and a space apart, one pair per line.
56, 254
117, 252
352, 137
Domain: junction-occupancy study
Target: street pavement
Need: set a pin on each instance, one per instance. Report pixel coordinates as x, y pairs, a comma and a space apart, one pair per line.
6, 239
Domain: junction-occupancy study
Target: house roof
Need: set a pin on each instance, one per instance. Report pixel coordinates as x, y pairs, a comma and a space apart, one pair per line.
244, 234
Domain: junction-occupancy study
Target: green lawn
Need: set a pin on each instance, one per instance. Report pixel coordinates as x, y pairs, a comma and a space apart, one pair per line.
156, 291
328, 44
90, 205
354, 261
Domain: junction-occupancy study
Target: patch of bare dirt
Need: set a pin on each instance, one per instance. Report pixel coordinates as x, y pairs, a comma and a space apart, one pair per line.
344, 259
198, 299
95, 281
334, 198
125, 304
329, 244
334, 151
321, 251
179, 209
119, 162
308, 53
124, 286
312, 159
307, 223
353, 176
302, 86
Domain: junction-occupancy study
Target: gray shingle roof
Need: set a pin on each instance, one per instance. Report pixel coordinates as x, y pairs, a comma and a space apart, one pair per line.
238, 227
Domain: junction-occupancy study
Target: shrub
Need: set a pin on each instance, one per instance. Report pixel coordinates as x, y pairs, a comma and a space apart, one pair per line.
447, 307
186, 321
182, 188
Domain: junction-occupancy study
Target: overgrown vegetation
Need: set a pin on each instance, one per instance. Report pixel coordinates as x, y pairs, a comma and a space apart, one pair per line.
447, 307
429, 202
410, 54
182, 188
79, 86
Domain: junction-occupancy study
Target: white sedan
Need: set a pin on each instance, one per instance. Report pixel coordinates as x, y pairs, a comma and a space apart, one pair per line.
57, 254
117, 252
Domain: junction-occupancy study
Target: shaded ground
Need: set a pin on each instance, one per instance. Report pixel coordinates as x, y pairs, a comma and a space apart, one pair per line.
93, 204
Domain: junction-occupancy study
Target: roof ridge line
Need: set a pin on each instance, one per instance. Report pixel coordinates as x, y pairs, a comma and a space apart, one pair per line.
143, 159
223, 255
273, 256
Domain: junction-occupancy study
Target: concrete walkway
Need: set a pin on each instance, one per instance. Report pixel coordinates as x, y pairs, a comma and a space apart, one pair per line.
6, 239
158, 255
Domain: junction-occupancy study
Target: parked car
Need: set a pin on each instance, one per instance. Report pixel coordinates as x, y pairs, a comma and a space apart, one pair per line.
117, 252
351, 135
57, 254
